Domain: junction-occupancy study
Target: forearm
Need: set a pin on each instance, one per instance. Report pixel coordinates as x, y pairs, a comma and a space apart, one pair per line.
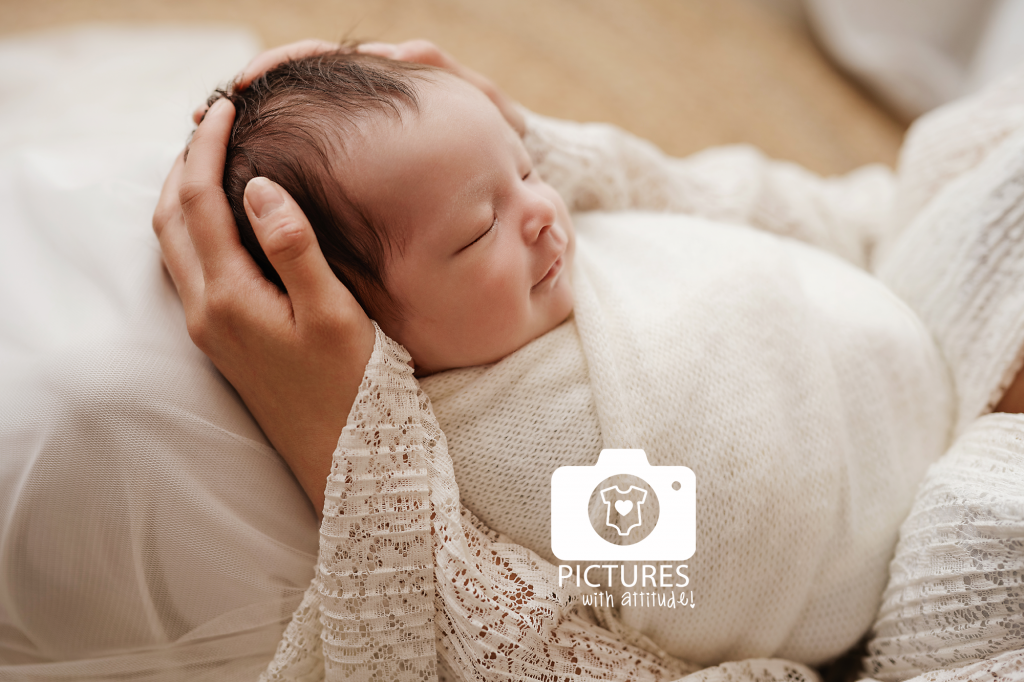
306, 440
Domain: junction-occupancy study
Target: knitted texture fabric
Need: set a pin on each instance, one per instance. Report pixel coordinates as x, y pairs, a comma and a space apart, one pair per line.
807, 398
974, 228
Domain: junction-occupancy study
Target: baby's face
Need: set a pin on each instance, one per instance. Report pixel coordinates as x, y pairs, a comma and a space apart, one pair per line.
485, 247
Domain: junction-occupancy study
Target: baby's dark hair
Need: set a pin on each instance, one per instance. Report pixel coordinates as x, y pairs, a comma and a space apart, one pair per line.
290, 124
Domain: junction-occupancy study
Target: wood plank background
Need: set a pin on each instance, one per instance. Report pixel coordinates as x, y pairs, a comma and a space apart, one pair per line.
685, 74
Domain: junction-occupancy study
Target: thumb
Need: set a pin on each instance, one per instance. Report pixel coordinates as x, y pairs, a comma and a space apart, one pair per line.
288, 240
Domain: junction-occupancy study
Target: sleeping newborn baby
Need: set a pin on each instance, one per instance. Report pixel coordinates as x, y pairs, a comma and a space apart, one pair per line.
423, 199
807, 398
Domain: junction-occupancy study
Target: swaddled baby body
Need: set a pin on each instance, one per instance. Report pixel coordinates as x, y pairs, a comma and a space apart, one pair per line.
806, 397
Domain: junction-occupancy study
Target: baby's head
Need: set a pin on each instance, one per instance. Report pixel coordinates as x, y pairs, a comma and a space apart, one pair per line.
422, 197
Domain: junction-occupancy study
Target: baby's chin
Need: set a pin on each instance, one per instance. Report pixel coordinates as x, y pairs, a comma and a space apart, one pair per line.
489, 356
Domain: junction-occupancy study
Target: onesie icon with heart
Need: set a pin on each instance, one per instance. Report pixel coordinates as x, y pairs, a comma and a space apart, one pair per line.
627, 503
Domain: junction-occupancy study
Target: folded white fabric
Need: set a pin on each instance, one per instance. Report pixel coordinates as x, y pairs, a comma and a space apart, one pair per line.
403, 565
918, 54
805, 397
147, 529
956, 591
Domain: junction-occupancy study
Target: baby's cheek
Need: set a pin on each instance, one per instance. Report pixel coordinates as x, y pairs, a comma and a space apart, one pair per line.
504, 307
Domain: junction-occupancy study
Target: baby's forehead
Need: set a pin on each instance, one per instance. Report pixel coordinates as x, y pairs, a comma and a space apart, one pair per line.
420, 170
449, 117
439, 95
443, 89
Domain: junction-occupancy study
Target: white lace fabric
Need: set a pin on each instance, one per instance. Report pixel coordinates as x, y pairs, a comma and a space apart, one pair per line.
956, 595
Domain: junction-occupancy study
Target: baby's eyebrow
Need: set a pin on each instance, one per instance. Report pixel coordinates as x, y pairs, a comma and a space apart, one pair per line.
480, 187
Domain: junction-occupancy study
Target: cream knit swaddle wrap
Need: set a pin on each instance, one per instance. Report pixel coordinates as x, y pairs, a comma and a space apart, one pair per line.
805, 397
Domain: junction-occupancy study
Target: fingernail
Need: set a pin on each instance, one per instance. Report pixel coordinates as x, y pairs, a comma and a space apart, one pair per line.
216, 106
379, 49
264, 197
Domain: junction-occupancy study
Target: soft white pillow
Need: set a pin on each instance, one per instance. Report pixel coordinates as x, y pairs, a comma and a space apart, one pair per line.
146, 526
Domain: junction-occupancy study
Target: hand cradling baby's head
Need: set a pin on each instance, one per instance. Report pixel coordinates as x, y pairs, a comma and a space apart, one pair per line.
422, 198
291, 125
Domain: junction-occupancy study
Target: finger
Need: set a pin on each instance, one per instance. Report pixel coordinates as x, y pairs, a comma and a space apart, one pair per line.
178, 252
288, 240
169, 203
515, 114
386, 50
199, 112
204, 206
425, 52
265, 61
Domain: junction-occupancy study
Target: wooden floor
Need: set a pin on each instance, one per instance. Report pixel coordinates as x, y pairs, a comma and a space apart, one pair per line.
684, 73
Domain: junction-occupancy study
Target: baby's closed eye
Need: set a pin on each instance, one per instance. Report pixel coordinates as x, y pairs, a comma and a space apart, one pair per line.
494, 224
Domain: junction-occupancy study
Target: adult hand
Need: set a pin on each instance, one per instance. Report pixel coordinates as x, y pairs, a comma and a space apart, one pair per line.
296, 359
416, 51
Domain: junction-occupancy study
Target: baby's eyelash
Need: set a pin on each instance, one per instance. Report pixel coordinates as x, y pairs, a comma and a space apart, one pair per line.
494, 224
491, 228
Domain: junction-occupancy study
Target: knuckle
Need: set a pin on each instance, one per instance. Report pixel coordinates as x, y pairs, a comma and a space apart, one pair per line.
286, 242
162, 215
192, 194
309, 47
198, 331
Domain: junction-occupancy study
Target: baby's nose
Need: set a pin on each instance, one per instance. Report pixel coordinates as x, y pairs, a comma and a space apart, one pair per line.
541, 218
